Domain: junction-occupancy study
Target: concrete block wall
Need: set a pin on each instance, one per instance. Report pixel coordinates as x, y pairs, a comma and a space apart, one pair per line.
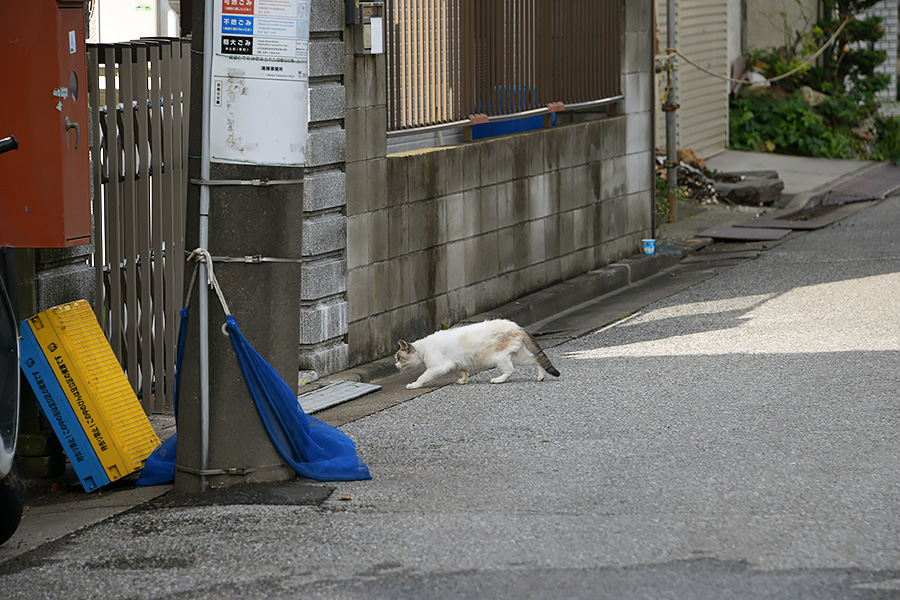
438, 235
323, 308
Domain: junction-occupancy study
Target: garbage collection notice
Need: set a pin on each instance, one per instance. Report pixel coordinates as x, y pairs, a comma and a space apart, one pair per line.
260, 82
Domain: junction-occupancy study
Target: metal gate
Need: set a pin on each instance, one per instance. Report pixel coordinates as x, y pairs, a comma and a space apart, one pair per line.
140, 99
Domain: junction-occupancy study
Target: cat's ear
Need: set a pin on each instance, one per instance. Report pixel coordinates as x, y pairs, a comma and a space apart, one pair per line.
406, 347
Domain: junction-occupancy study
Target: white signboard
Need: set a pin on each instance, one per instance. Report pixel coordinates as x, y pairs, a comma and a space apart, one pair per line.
260, 82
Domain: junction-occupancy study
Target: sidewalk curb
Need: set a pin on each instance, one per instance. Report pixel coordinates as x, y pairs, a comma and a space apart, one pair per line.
544, 303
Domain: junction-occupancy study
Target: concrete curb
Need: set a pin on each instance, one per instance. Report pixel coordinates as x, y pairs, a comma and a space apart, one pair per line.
551, 300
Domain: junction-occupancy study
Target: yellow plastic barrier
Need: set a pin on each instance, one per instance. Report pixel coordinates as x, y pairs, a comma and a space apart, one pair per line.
96, 387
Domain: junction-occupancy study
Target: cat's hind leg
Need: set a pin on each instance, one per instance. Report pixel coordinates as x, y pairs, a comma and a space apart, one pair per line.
506, 369
464, 377
541, 373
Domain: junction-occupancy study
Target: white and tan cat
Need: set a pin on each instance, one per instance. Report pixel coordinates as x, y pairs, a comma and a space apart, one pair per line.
497, 343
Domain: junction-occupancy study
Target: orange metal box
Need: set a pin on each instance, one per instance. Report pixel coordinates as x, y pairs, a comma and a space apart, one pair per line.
45, 198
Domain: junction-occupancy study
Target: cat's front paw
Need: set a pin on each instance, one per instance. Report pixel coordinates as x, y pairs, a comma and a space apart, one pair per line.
413, 386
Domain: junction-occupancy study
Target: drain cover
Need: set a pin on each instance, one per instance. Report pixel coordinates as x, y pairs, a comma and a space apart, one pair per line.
334, 394
874, 184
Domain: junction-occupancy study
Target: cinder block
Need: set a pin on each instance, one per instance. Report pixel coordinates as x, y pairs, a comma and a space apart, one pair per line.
456, 265
427, 224
357, 189
58, 285
379, 236
456, 217
639, 15
358, 294
327, 101
566, 232
38, 444
397, 180
415, 175
639, 127
359, 343
355, 81
640, 212
580, 229
322, 278
506, 250
471, 173
325, 146
614, 175
398, 226
506, 213
381, 288
539, 202
639, 95
612, 138
376, 132
536, 233
472, 212
637, 51
326, 57
324, 234
640, 172
488, 208
357, 241
324, 190
325, 359
376, 184
490, 160
436, 163
355, 127
430, 272
453, 157
381, 337
326, 17
323, 321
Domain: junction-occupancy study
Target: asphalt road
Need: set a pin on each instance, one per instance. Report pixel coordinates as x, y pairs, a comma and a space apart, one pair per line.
736, 439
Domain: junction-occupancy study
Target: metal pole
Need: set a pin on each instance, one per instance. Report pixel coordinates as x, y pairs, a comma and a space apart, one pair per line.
670, 107
204, 239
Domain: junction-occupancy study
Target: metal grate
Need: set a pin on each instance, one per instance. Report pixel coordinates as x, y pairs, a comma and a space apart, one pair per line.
450, 59
334, 394
874, 184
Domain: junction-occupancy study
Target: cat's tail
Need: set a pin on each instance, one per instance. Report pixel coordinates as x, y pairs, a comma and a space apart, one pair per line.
539, 355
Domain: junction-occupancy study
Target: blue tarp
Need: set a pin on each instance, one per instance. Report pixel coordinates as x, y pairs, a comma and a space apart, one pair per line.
312, 448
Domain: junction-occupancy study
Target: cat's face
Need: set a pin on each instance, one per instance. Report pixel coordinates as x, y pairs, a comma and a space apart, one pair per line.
406, 357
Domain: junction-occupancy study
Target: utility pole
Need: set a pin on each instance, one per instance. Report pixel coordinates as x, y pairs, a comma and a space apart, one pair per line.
669, 108
247, 149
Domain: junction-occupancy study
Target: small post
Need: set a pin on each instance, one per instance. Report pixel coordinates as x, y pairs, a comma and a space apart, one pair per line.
670, 107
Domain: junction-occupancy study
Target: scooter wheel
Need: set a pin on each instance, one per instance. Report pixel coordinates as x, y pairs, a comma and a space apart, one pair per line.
12, 501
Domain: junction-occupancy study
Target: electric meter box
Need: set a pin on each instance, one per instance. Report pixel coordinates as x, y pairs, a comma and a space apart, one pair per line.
45, 191
369, 28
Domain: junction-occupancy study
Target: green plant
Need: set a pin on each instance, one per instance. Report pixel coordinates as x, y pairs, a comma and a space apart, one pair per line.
762, 121
663, 211
888, 145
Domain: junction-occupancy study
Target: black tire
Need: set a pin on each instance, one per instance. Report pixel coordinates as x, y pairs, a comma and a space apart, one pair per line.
12, 501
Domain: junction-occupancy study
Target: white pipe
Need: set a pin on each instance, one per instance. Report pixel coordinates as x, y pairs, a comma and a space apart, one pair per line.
208, 24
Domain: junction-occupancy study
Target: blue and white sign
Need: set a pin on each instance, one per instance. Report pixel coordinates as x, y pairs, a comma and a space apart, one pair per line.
260, 82
237, 25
